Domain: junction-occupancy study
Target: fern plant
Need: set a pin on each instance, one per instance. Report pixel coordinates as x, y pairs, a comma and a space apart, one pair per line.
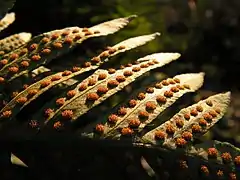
135, 121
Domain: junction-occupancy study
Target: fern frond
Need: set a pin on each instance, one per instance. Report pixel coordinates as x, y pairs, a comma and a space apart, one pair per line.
36, 89
13, 42
190, 122
143, 109
8, 19
98, 87
43, 48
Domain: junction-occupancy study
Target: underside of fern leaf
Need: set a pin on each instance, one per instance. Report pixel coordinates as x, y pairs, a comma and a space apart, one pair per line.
36, 89
143, 109
7, 20
189, 123
43, 48
96, 88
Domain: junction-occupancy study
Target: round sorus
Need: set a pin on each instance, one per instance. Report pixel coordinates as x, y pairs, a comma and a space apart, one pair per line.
132, 103
32, 92
204, 170
171, 81
212, 152
199, 108
57, 45
112, 51
86, 64
21, 100
48, 112
99, 128
186, 86
170, 129
113, 83
6, 114
3, 62
35, 57
159, 135
151, 63
144, 65
13, 56
92, 97
155, 61
213, 113
194, 112
32, 47
136, 69
122, 111
202, 122
95, 60
226, 157
220, 173
127, 73
120, 78
161, 99
102, 76
179, 122
104, 54
232, 176
141, 96
2, 79
180, 87
68, 40
102, 90
122, 67
174, 89
92, 81
176, 80
75, 69
187, 135
126, 131
237, 160
65, 33
45, 83
33, 124
45, 40
180, 142
134, 123
150, 90
158, 85
150, 106
121, 47
46, 51
207, 117
168, 94
187, 116
67, 114
111, 71
66, 73
56, 78
24, 63
77, 37
196, 128
57, 125
55, 36
82, 87
113, 118
143, 115
71, 93
60, 101
88, 33
13, 69
165, 83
